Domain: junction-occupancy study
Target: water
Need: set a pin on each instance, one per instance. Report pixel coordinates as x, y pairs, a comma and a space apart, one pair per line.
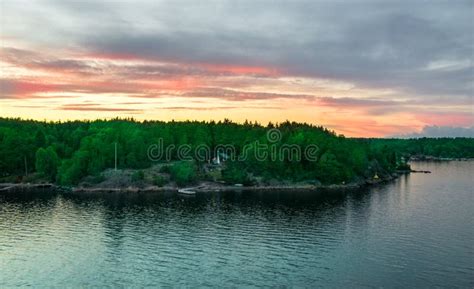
415, 232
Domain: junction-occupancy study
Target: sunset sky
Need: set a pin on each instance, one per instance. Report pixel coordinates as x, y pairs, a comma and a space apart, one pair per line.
361, 68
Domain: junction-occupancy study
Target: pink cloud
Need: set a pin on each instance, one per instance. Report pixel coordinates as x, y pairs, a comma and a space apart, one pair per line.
446, 118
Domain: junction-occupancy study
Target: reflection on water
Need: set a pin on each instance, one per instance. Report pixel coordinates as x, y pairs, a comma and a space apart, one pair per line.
416, 231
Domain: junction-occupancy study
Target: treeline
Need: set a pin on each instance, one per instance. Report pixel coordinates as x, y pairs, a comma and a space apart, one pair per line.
429, 147
66, 152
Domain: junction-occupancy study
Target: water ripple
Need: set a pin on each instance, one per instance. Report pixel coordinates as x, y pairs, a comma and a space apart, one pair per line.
396, 236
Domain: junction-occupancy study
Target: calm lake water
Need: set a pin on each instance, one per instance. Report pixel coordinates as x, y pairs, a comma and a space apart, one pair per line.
415, 232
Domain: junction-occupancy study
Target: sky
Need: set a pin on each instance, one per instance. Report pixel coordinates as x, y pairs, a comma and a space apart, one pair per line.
360, 68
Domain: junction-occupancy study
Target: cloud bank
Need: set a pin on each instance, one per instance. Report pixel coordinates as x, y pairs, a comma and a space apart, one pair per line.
402, 64
442, 131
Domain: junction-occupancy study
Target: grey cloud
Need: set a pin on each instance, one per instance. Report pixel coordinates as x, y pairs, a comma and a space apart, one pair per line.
215, 107
351, 102
442, 131
238, 95
30, 59
7, 88
88, 107
370, 43
64, 64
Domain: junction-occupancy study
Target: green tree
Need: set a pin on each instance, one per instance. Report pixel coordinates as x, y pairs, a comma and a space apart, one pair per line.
40, 139
183, 173
85, 148
235, 174
47, 162
159, 181
138, 176
72, 170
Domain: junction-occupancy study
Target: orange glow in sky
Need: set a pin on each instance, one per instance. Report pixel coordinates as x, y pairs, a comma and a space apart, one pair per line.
360, 69
66, 85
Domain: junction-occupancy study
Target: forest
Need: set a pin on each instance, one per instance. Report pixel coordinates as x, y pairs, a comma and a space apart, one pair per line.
67, 152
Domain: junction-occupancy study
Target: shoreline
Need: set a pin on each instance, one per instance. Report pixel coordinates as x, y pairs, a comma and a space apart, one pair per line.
437, 159
208, 187
205, 187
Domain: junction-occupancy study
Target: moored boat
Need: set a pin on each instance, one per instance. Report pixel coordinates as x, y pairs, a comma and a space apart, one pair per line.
187, 191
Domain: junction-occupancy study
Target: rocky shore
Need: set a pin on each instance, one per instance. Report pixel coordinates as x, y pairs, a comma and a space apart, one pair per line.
432, 158
201, 187
14, 188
